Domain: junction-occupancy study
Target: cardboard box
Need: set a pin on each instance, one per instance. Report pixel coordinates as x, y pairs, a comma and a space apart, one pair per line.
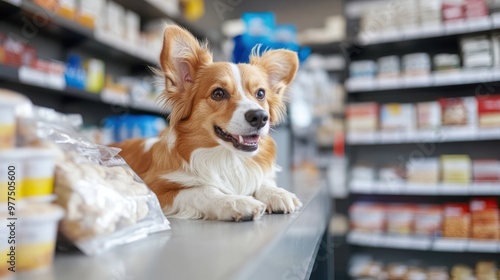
488, 109
428, 115
456, 169
397, 117
459, 111
453, 10
456, 223
89, 12
423, 171
485, 218
486, 171
362, 117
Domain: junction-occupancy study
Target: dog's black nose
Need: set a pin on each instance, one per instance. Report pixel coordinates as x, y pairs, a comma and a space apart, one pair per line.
257, 118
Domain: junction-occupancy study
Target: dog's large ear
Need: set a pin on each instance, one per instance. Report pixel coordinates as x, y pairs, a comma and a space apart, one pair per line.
181, 56
281, 67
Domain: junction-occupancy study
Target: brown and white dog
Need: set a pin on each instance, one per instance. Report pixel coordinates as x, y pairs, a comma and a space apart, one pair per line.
216, 160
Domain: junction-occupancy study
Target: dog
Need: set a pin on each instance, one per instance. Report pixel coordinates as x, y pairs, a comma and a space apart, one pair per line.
216, 160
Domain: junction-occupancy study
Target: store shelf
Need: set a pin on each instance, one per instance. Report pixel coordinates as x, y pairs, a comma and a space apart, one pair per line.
426, 32
462, 77
422, 243
404, 188
71, 33
11, 74
443, 135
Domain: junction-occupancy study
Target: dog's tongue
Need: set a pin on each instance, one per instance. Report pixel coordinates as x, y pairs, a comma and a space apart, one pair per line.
247, 139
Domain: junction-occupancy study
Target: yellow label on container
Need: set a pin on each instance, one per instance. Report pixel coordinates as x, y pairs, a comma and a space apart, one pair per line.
35, 256
7, 136
37, 186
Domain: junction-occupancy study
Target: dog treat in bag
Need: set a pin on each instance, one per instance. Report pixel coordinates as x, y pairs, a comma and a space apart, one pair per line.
106, 203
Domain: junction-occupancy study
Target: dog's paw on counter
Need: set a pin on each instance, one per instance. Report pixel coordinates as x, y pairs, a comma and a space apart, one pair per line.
278, 200
239, 208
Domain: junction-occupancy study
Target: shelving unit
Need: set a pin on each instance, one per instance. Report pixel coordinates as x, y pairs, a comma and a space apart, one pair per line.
385, 147
422, 243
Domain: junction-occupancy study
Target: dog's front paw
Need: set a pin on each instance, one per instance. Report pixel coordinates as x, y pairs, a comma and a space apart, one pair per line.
240, 208
279, 200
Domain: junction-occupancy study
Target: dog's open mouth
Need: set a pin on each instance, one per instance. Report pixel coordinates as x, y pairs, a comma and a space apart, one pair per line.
247, 143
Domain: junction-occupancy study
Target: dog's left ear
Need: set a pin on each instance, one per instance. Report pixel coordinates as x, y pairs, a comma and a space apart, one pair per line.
281, 67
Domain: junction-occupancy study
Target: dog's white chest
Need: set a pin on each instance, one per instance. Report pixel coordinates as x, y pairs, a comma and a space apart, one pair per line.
220, 168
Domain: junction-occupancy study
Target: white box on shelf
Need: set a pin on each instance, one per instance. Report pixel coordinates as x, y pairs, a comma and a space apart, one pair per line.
450, 245
32, 76
483, 246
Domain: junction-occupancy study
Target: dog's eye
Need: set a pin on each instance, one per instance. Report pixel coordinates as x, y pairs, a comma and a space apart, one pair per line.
219, 94
261, 94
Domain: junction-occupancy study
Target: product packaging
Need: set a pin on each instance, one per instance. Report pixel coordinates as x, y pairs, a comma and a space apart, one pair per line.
456, 223
363, 69
459, 111
367, 217
428, 115
445, 62
453, 10
397, 117
95, 75
67, 8
456, 169
388, 66
362, 117
488, 109
486, 171
485, 218
400, 218
89, 12
423, 171
10, 102
476, 52
106, 203
428, 220
416, 64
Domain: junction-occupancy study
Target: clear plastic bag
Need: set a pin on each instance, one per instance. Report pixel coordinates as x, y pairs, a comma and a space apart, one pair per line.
106, 203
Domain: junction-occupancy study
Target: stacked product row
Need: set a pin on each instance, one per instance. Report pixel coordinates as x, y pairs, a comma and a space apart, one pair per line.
482, 51
365, 266
419, 14
478, 219
77, 72
450, 170
113, 23
472, 113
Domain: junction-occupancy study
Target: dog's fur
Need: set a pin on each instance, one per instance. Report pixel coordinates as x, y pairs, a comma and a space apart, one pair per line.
197, 173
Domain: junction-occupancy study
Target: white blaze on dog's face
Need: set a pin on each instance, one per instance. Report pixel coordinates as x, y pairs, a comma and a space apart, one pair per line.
229, 104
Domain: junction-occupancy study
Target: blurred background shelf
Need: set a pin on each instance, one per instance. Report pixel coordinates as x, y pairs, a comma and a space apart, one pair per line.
442, 189
422, 243
445, 135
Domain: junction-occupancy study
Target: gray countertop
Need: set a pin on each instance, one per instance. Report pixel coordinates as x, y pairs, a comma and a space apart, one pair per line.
274, 247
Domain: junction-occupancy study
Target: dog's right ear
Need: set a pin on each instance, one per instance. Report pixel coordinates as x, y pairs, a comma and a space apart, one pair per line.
181, 56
